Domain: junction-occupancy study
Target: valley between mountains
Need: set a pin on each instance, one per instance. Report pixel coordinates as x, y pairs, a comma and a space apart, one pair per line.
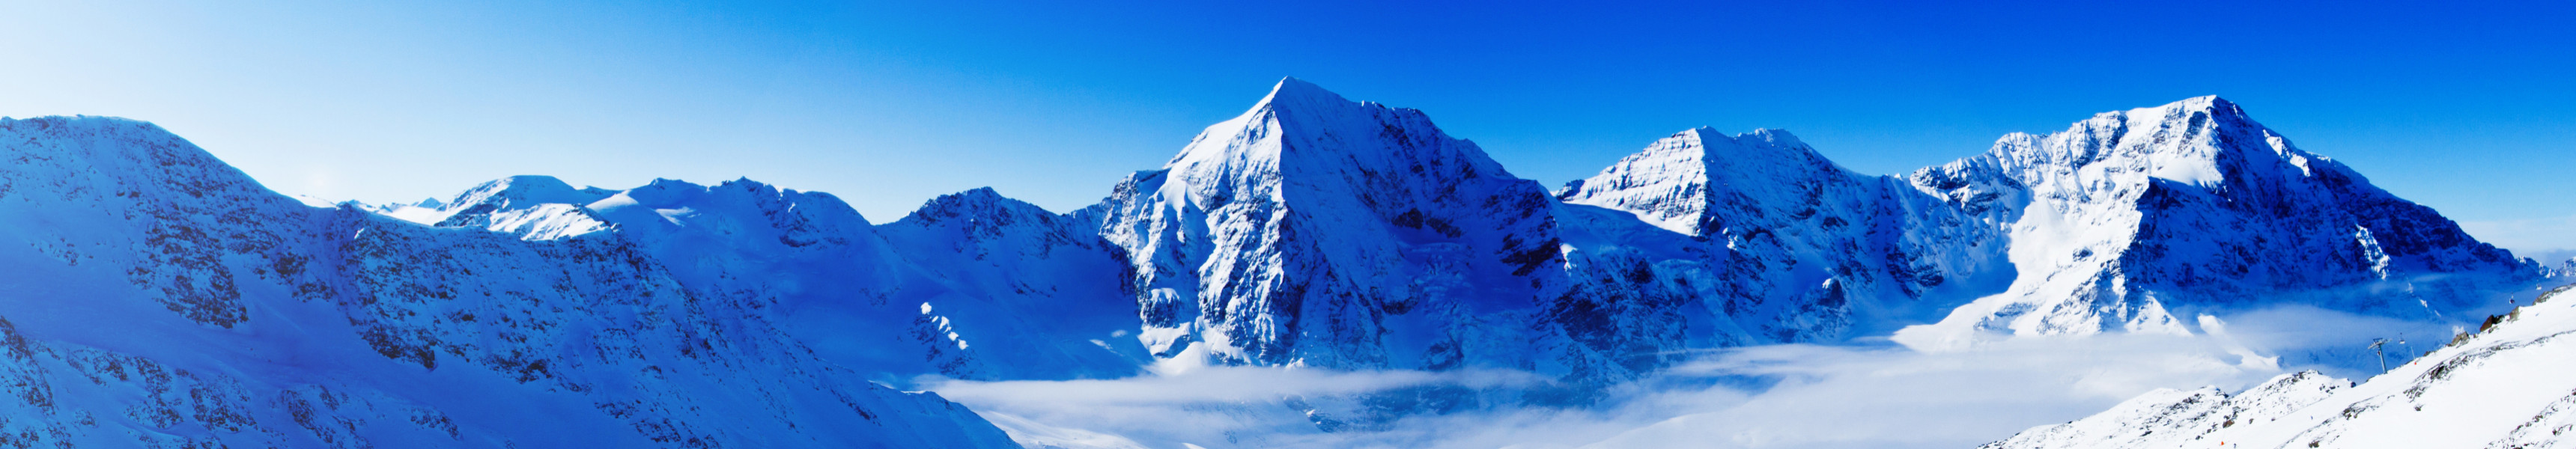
1315, 272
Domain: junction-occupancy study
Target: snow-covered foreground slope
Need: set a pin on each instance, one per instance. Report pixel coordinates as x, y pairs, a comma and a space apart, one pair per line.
154, 297
2506, 387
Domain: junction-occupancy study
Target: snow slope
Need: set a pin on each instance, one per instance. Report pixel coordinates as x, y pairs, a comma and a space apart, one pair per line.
2504, 387
155, 297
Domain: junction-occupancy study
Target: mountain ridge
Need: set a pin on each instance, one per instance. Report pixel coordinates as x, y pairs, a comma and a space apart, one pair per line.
173, 301
1309, 231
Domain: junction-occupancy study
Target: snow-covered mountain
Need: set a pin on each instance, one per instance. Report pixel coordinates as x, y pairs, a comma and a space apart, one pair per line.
1313, 230
2139, 220
155, 297
2503, 387
1772, 242
972, 286
1310, 231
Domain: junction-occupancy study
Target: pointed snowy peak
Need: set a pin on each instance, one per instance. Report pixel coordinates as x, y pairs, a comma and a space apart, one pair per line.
1311, 195
2205, 141
2189, 113
535, 207
1300, 127
1676, 182
1293, 93
511, 194
2194, 207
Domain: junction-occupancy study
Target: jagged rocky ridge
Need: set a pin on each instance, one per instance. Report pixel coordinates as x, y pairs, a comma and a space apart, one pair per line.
2503, 387
1310, 231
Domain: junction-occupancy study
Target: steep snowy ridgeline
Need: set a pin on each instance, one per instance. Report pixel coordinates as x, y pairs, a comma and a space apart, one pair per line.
1783, 245
1313, 230
2137, 220
901, 303
1017, 292
427, 211
1038, 299
537, 207
2168, 418
2506, 387
155, 297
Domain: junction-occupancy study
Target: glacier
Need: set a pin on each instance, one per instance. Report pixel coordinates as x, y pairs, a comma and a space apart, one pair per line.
1310, 232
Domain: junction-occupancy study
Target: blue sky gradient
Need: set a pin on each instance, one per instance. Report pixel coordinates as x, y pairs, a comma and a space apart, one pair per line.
2464, 107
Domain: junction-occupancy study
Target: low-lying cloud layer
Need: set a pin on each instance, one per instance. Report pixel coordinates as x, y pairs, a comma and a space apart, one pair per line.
1869, 394
2550, 240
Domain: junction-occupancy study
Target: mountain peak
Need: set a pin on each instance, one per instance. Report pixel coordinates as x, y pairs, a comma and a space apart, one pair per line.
981, 210
1674, 182
2208, 105
1759, 138
1300, 127
1291, 90
977, 199
1717, 154
2199, 140
528, 189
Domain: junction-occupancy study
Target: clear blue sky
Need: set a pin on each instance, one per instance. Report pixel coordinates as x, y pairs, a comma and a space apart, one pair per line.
2469, 108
